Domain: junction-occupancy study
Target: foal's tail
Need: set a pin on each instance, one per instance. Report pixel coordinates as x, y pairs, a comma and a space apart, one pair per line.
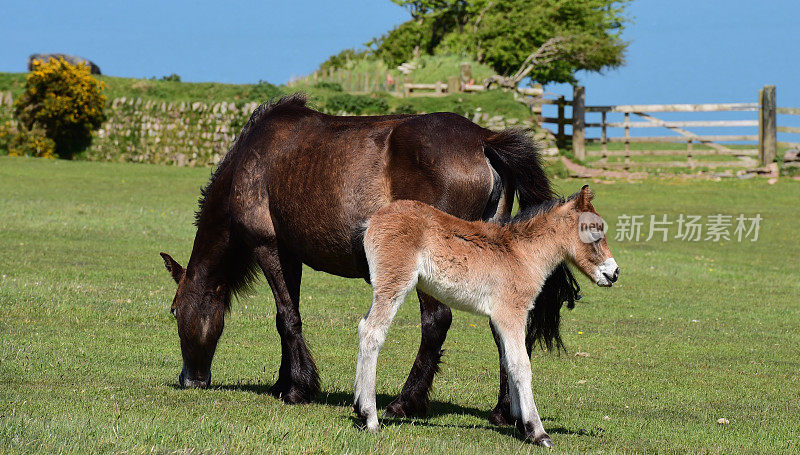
518, 157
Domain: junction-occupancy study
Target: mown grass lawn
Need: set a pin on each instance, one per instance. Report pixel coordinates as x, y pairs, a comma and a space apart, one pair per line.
89, 355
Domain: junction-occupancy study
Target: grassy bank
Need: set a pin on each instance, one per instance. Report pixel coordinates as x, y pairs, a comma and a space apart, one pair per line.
89, 356
495, 102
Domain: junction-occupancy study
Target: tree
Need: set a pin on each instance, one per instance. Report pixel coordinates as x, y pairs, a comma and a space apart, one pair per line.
504, 34
511, 30
64, 101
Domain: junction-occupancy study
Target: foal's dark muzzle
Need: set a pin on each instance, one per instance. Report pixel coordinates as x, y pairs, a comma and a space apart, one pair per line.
188, 381
613, 277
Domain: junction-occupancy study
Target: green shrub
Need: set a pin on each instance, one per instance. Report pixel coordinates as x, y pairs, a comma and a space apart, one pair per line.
345, 58
65, 102
171, 78
405, 108
356, 104
326, 85
397, 46
6, 134
24, 142
263, 91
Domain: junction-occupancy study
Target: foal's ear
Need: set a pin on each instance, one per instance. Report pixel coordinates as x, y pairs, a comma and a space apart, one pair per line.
173, 267
584, 199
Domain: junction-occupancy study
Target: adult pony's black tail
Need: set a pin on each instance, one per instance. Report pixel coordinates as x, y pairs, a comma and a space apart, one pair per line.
518, 158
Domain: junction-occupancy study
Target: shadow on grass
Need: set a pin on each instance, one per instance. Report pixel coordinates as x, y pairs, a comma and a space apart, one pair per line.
437, 408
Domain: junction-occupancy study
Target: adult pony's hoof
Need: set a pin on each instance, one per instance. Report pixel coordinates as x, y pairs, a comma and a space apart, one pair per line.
400, 409
289, 394
188, 382
544, 441
500, 417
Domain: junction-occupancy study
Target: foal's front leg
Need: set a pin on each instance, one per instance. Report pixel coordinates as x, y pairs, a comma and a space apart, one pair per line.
511, 331
371, 335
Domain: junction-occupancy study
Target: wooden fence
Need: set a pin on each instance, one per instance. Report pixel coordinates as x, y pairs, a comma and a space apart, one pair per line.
763, 139
368, 82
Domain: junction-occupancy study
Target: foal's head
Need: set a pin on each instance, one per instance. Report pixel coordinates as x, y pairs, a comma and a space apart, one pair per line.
199, 309
586, 245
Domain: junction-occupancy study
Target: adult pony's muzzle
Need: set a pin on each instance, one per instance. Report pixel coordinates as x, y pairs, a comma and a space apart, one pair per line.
188, 381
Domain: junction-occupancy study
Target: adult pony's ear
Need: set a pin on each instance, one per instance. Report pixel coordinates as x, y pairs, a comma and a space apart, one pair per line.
174, 269
584, 199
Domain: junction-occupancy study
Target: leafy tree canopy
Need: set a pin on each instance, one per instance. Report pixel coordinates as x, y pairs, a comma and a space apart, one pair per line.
504, 33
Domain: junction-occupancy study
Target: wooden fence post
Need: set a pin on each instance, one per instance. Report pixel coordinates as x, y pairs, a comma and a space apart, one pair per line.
560, 136
536, 104
767, 125
453, 84
466, 73
579, 122
604, 134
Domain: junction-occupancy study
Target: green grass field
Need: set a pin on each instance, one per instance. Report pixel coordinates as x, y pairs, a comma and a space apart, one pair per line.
89, 355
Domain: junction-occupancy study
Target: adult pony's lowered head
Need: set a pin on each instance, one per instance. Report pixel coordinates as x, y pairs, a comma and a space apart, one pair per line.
490, 269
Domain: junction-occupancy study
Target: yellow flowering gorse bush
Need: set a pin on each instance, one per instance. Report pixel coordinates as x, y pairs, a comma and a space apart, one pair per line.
63, 100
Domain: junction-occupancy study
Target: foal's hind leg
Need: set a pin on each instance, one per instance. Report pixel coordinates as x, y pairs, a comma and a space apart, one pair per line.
298, 381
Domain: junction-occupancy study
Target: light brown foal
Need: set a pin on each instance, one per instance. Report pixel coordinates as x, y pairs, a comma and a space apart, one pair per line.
491, 269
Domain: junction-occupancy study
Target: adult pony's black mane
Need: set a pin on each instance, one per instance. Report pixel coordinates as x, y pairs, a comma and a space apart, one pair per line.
296, 99
239, 268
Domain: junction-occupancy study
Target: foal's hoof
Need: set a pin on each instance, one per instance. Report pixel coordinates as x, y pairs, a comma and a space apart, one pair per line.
544, 441
373, 426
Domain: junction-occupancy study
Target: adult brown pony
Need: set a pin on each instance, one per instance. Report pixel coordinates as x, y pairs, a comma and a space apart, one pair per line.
296, 188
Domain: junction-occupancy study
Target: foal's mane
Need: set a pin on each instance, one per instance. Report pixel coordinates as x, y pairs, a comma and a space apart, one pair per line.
539, 209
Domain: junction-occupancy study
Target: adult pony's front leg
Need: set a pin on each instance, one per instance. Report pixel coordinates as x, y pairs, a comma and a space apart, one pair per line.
435, 321
298, 380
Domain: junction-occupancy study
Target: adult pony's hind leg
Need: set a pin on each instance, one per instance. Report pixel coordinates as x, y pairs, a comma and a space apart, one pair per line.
435, 322
298, 380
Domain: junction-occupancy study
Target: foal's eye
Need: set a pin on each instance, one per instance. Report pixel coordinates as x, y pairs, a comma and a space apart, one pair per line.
172, 310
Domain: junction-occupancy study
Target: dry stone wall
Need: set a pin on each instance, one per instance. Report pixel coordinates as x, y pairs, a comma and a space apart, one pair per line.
151, 131
6, 107
184, 133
